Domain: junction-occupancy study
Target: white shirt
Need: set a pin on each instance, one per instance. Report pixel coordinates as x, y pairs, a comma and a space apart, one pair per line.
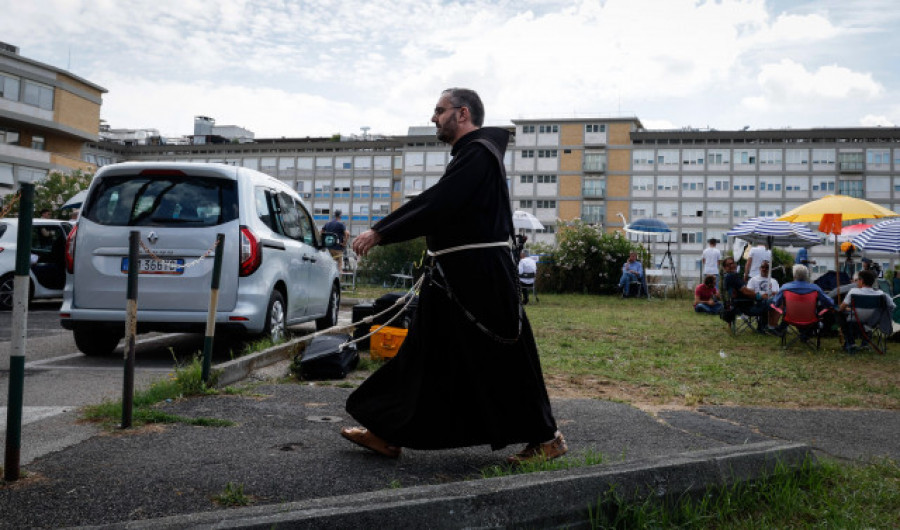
527, 266
763, 285
758, 254
711, 257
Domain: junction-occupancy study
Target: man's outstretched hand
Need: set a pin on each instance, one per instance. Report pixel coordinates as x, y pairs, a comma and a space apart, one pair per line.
365, 241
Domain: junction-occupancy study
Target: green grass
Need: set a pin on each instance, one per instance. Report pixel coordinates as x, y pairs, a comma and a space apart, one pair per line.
660, 352
588, 458
233, 495
186, 381
821, 495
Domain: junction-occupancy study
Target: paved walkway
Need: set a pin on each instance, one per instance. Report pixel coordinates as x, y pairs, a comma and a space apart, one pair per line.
286, 453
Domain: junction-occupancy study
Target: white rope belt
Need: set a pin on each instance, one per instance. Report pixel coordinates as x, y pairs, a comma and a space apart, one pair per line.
467, 247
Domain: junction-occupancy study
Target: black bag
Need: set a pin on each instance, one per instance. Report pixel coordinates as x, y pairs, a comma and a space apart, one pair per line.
388, 300
323, 358
359, 312
729, 313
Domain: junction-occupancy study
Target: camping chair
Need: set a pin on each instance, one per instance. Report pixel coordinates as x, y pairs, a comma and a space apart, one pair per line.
800, 319
638, 288
405, 275
735, 313
872, 320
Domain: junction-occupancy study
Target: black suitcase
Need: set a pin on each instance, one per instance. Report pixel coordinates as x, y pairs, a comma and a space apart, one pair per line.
323, 358
361, 311
388, 300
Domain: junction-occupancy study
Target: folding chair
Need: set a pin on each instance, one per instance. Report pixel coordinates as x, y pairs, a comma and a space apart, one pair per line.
872, 320
405, 275
800, 319
742, 321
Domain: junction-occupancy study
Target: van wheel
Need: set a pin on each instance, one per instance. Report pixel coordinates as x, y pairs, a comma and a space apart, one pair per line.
275, 327
6, 291
331, 315
96, 342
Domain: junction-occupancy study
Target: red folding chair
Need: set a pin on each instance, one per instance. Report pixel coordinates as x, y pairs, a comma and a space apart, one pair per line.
801, 320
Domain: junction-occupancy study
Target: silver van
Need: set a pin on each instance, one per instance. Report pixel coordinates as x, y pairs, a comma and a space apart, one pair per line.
276, 271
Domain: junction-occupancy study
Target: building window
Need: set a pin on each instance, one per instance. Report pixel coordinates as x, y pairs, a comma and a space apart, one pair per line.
547, 153
546, 204
595, 161
642, 157
528, 153
528, 129
823, 157
692, 237
544, 129
526, 204
37, 142
692, 157
878, 156
718, 157
9, 87
593, 213
38, 95
852, 188
526, 179
595, 128
745, 157
667, 157
797, 156
770, 157
9, 136
546, 179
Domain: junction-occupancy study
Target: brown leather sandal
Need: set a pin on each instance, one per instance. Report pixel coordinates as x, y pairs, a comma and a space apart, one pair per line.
364, 438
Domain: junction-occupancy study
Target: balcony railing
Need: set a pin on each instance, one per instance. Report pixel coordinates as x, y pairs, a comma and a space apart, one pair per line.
593, 192
851, 167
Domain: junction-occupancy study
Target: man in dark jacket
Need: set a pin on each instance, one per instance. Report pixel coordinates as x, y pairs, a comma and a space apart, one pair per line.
468, 372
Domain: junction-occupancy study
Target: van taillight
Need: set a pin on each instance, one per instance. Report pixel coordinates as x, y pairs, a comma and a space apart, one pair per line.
70, 250
251, 252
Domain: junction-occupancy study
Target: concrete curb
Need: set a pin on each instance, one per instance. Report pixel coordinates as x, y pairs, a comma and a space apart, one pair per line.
532, 500
237, 369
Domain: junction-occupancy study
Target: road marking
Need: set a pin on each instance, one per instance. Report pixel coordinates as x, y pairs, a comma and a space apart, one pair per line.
38, 364
33, 414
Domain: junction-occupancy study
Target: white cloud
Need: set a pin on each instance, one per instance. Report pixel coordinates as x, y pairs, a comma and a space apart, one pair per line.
870, 120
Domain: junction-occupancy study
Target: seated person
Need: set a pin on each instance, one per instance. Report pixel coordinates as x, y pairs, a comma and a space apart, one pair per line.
765, 288
744, 299
865, 282
527, 272
802, 285
869, 265
706, 297
632, 271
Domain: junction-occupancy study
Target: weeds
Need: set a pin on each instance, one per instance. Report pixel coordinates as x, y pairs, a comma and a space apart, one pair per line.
588, 458
824, 494
233, 496
185, 381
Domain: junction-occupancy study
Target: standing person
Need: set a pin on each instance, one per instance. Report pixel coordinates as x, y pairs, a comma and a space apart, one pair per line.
711, 259
632, 271
758, 254
336, 227
468, 372
527, 272
706, 297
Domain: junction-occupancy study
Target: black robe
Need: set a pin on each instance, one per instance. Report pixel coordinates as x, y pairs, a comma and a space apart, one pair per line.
450, 384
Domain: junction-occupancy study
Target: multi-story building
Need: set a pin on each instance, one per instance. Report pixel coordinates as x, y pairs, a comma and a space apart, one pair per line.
700, 183
46, 117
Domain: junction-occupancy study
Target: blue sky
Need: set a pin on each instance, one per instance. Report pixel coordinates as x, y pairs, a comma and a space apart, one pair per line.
318, 67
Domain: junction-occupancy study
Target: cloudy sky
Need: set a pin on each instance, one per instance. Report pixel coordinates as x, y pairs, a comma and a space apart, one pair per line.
320, 67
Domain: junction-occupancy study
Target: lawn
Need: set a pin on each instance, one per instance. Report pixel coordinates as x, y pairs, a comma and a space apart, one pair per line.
659, 353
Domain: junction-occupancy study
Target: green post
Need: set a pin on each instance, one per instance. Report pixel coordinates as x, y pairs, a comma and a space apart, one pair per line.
21, 287
213, 304
130, 329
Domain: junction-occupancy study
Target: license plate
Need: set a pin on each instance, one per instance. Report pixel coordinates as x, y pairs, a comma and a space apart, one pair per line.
156, 266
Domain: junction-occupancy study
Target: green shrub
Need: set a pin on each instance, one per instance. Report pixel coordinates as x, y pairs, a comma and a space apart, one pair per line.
383, 261
585, 260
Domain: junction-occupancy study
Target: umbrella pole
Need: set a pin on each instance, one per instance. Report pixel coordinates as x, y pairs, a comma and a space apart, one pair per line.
837, 270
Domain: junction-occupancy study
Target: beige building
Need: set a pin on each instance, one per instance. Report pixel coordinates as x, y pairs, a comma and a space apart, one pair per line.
47, 115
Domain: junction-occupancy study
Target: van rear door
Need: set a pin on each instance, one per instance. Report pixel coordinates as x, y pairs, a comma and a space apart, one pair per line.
177, 214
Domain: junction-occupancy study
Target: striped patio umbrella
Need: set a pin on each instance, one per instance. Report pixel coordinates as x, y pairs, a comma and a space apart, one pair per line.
770, 232
883, 237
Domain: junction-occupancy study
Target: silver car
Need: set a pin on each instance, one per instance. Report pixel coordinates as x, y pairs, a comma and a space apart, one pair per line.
48, 243
276, 271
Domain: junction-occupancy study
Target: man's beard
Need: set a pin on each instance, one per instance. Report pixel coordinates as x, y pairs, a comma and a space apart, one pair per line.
447, 132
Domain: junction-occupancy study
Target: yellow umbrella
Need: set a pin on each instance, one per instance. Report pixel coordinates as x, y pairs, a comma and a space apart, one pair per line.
830, 211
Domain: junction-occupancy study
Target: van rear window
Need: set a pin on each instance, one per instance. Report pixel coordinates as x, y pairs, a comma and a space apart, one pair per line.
164, 200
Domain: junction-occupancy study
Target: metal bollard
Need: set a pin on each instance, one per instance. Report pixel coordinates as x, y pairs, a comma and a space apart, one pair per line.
213, 305
130, 329
21, 289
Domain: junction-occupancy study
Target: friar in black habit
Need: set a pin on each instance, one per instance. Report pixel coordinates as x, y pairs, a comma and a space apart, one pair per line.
468, 372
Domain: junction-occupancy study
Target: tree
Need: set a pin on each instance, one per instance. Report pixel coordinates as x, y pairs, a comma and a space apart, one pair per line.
50, 193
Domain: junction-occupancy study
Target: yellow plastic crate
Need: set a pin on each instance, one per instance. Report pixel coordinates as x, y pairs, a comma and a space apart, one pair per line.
385, 342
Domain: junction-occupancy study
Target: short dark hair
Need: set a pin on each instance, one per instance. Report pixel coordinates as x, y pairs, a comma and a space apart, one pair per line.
867, 277
464, 97
337, 213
